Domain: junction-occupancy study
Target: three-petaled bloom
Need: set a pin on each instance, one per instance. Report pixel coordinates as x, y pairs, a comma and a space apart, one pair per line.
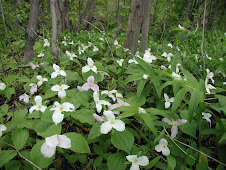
2, 128
38, 106
60, 89
90, 84
71, 55
49, 146
99, 102
110, 94
168, 56
120, 62
136, 161
162, 147
168, 100
41, 80
119, 104
33, 66
90, 66
40, 55
95, 49
111, 123
207, 117
46, 43
57, 116
210, 75
33, 88
145, 76
175, 124
57, 71
148, 57
170, 45
2, 86
208, 87
176, 76
24, 97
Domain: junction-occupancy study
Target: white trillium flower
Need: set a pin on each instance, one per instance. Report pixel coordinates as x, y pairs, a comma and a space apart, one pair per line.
110, 94
145, 76
120, 62
170, 45
210, 75
136, 161
168, 56
57, 71
95, 49
99, 102
71, 55
71, 43
33, 88
175, 124
90, 66
46, 43
141, 110
208, 87
41, 80
132, 61
2, 128
2, 86
60, 89
115, 42
176, 76
111, 123
80, 51
168, 100
38, 106
49, 146
162, 147
64, 42
40, 55
180, 27
148, 57
58, 108
207, 116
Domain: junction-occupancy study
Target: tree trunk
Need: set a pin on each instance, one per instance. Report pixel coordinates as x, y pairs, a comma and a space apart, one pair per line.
54, 28
188, 10
30, 33
145, 26
134, 24
68, 23
60, 15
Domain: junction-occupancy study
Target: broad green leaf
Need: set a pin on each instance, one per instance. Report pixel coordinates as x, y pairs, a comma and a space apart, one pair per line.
193, 103
117, 161
13, 165
189, 128
122, 140
95, 131
19, 115
153, 162
20, 137
141, 86
12, 64
98, 161
149, 122
50, 130
23, 79
73, 76
10, 79
78, 143
9, 92
84, 115
5, 108
6, 156
171, 162
37, 158
178, 98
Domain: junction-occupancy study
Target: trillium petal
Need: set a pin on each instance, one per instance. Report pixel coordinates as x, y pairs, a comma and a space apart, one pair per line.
85, 87
174, 131
62, 73
98, 118
68, 106
90, 80
95, 96
38, 100
61, 93
33, 108
109, 115
166, 151
167, 121
105, 127
171, 99
181, 122
64, 86
131, 158
57, 117
64, 141
47, 151
167, 105
166, 97
134, 167
39, 77
90, 62
163, 142
119, 125
94, 69
52, 141
55, 88
42, 109
143, 161
39, 83
54, 74
56, 67
99, 107
95, 87
158, 148
3, 127
85, 69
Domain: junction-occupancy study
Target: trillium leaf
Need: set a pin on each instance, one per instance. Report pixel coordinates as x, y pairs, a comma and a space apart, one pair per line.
193, 103
6, 156
141, 86
20, 137
95, 131
78, 143
171, 162
37, 158
123, 140
149, 122
117, 161
84, 116
178, 98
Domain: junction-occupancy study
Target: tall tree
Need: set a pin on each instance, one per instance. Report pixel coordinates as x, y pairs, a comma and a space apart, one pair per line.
134, 24
30, 33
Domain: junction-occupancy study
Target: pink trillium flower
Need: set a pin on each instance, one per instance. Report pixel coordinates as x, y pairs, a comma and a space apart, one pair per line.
136, 161
175, 124
33, 66
90, 84
84, 47
111, 123
162, 147
99, 102
24, 97
49, 146
98, 118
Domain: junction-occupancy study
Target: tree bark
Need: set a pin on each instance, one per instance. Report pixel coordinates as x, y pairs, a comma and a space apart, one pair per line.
134, 25
145, 25
68, 23
30, 33
54, 28
60, 15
